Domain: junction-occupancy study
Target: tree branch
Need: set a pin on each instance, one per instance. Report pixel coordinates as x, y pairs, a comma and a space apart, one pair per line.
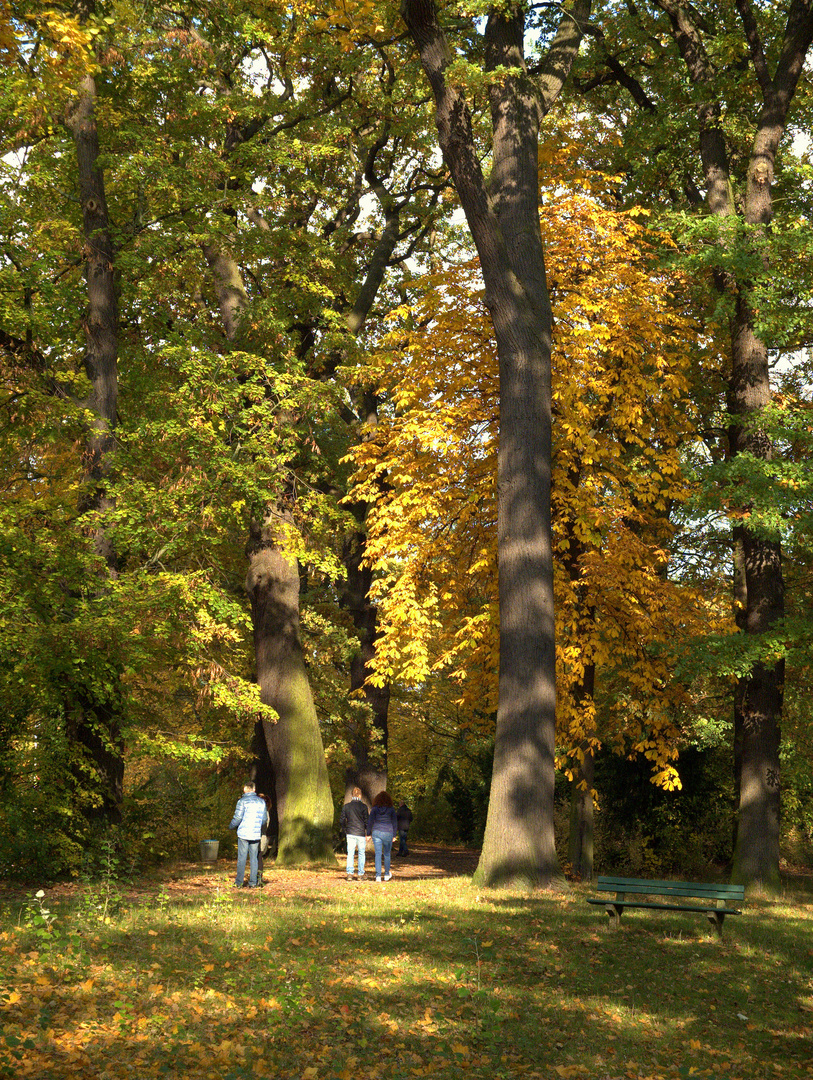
755, 47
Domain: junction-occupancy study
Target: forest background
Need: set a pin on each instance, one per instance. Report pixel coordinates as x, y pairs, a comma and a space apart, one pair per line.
253, 400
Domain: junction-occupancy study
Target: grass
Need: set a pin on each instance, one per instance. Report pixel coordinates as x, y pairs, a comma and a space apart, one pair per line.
409, 979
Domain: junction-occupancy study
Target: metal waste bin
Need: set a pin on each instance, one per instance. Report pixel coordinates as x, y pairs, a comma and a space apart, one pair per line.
209, 850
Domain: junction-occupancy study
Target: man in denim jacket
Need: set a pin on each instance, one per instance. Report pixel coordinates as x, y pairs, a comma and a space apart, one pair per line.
250, 815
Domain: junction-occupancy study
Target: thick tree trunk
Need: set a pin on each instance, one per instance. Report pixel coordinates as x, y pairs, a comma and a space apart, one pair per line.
759, 694
519, 844
293, 766
94, 721
518, 847
301, 786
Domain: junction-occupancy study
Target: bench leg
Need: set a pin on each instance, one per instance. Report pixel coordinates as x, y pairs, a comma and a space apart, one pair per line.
716, 919
614, 914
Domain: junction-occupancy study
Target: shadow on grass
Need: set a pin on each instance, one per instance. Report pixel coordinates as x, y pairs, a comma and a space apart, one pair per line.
425, 978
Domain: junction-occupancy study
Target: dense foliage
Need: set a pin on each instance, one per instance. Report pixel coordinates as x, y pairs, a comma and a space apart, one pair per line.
303, 378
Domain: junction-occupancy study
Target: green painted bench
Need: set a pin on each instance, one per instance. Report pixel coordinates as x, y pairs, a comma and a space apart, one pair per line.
713, 900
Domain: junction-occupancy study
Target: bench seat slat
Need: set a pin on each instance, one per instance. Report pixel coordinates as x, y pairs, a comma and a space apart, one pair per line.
665, 907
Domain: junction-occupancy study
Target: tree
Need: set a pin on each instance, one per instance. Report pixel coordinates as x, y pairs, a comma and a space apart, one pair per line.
742, 84
58, 46
95, 723
503, 217
621, 395
384, 150
169, 346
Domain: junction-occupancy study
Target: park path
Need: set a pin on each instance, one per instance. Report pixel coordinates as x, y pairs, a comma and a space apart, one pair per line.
425, 862
193, 879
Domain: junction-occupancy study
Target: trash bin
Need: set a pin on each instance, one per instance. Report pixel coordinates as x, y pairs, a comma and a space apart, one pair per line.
209, 850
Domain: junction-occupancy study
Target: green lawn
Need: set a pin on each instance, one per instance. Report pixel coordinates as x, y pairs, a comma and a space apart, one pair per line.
408, 979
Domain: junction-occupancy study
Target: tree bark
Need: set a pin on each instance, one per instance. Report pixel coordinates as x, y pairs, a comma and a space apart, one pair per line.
581, 837
93, 720
301, 785
518, 847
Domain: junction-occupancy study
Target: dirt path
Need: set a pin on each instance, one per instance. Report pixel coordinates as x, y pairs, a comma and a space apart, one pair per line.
424, 862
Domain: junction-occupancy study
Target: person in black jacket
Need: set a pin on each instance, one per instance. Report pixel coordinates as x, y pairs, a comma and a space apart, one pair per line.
353, 822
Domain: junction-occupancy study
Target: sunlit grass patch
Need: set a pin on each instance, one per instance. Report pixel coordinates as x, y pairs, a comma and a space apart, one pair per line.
422, 979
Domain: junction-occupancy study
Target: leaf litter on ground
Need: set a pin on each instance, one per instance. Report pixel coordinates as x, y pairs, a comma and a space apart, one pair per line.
315, 979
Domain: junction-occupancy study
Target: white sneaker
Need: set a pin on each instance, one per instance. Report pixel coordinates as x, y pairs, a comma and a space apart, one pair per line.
378, 879
387, 877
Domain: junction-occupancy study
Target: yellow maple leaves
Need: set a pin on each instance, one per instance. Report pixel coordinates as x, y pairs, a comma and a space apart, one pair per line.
624, 351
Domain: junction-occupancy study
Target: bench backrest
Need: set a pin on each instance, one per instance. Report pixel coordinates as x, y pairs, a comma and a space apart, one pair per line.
703, 890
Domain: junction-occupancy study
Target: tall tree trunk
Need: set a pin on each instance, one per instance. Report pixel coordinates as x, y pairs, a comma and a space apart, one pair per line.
759, 694
518, 847
581, 837
369, 741
93, 719
582, 825
369, 768
301, 786
760, 586
295, 762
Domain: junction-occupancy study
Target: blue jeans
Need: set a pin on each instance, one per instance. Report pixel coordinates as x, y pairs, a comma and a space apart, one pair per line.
402, 840
382, 844
356, 843
247, 849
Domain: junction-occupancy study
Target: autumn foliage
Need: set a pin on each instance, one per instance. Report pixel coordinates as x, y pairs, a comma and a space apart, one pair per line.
625, 354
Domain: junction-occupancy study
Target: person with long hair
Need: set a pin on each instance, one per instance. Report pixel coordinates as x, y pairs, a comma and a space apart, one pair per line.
382, 826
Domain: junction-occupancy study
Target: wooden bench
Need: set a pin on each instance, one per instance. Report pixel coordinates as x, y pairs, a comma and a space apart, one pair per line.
714, 900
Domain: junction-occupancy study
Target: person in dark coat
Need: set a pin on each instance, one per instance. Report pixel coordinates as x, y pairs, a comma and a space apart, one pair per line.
404, 815
353, 823
264, 839
382, 826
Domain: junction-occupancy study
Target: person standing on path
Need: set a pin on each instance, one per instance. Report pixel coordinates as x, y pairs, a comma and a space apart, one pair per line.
250, 815
404, 815
382, 826
353, 823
